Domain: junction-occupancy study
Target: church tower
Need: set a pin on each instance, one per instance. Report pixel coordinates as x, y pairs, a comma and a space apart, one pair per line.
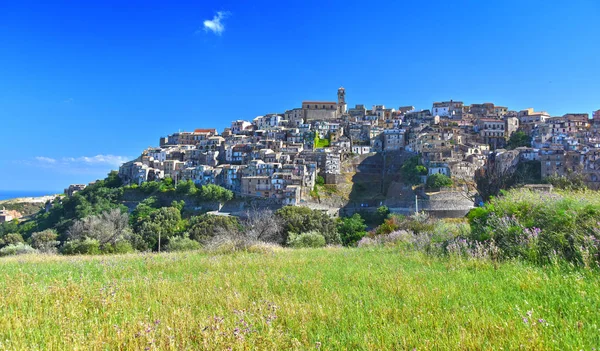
341, 105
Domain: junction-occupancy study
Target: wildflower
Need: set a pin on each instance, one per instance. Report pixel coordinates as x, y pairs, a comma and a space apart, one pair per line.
318, 345
541, 321
525, 320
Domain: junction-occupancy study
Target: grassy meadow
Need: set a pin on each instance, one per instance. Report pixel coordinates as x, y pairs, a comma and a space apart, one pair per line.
305, 299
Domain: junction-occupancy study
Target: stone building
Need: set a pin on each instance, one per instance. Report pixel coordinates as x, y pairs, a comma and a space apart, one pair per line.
5, 216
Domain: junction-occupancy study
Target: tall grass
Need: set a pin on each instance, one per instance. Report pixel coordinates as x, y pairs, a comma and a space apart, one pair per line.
331, 298
540, 226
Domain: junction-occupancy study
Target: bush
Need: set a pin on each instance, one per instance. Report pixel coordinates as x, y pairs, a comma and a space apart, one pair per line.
297, 219
214, 193
306, 240
518, 139
45, 241
106, 228
17, 249
539, 227
182, 243
320, 180
150, 187
186, 187
81, 247
437, 181
120, 247
417, 223
11, 239
351, 229
165, 221
392, 238
412, 171
203, 228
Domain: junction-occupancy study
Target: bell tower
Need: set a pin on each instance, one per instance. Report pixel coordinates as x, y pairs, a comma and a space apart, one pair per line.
341, 105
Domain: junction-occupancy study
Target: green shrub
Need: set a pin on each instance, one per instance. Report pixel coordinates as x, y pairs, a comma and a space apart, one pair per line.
296, 219
186, 187
203, 228
352, 229
437, 181
45, 241
81, 247
120, 247
541, 226
11, 239
412, 171
306, 240
214, 193
17, 249
150, 187
182, 243
416, 224
320, 180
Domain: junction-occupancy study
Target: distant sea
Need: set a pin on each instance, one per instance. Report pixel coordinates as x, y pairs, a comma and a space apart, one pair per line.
12, 194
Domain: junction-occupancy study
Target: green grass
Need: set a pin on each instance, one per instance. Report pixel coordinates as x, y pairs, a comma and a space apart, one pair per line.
349, 299
321, 143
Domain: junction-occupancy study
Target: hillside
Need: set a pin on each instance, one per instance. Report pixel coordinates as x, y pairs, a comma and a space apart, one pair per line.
333, 299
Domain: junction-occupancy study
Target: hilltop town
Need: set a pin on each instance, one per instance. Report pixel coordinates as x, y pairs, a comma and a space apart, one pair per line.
281, 156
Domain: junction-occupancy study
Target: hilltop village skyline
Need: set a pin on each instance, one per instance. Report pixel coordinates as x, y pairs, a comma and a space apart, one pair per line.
280, 155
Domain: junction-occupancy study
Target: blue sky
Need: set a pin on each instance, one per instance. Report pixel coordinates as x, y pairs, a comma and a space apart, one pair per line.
85, 85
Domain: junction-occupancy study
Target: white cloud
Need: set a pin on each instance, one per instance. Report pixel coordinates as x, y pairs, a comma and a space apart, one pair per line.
111, 160
98, 160
45, 159
216, 25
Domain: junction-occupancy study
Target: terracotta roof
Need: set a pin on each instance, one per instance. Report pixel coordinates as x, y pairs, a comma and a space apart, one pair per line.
214, 131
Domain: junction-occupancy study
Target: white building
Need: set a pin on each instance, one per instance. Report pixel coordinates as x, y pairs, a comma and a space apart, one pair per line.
5, 216
360, 149
239, 126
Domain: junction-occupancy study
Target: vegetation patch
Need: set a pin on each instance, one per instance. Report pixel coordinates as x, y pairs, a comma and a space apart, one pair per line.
332, 299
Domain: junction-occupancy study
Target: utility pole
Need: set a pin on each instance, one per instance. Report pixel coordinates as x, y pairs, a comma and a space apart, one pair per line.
416, 204
159, 241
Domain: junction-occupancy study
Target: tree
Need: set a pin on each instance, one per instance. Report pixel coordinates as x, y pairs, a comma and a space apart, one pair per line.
113, 180
178, 204
143, 210
438, 180
166, 185
161, 225
150, 187
295, 219
11, 239
186, 187
262, 225
351, 229
412, 171
108, 228
215, 193
381, 214
497, 179
9, 227
203, 228
45, 241
518, 139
